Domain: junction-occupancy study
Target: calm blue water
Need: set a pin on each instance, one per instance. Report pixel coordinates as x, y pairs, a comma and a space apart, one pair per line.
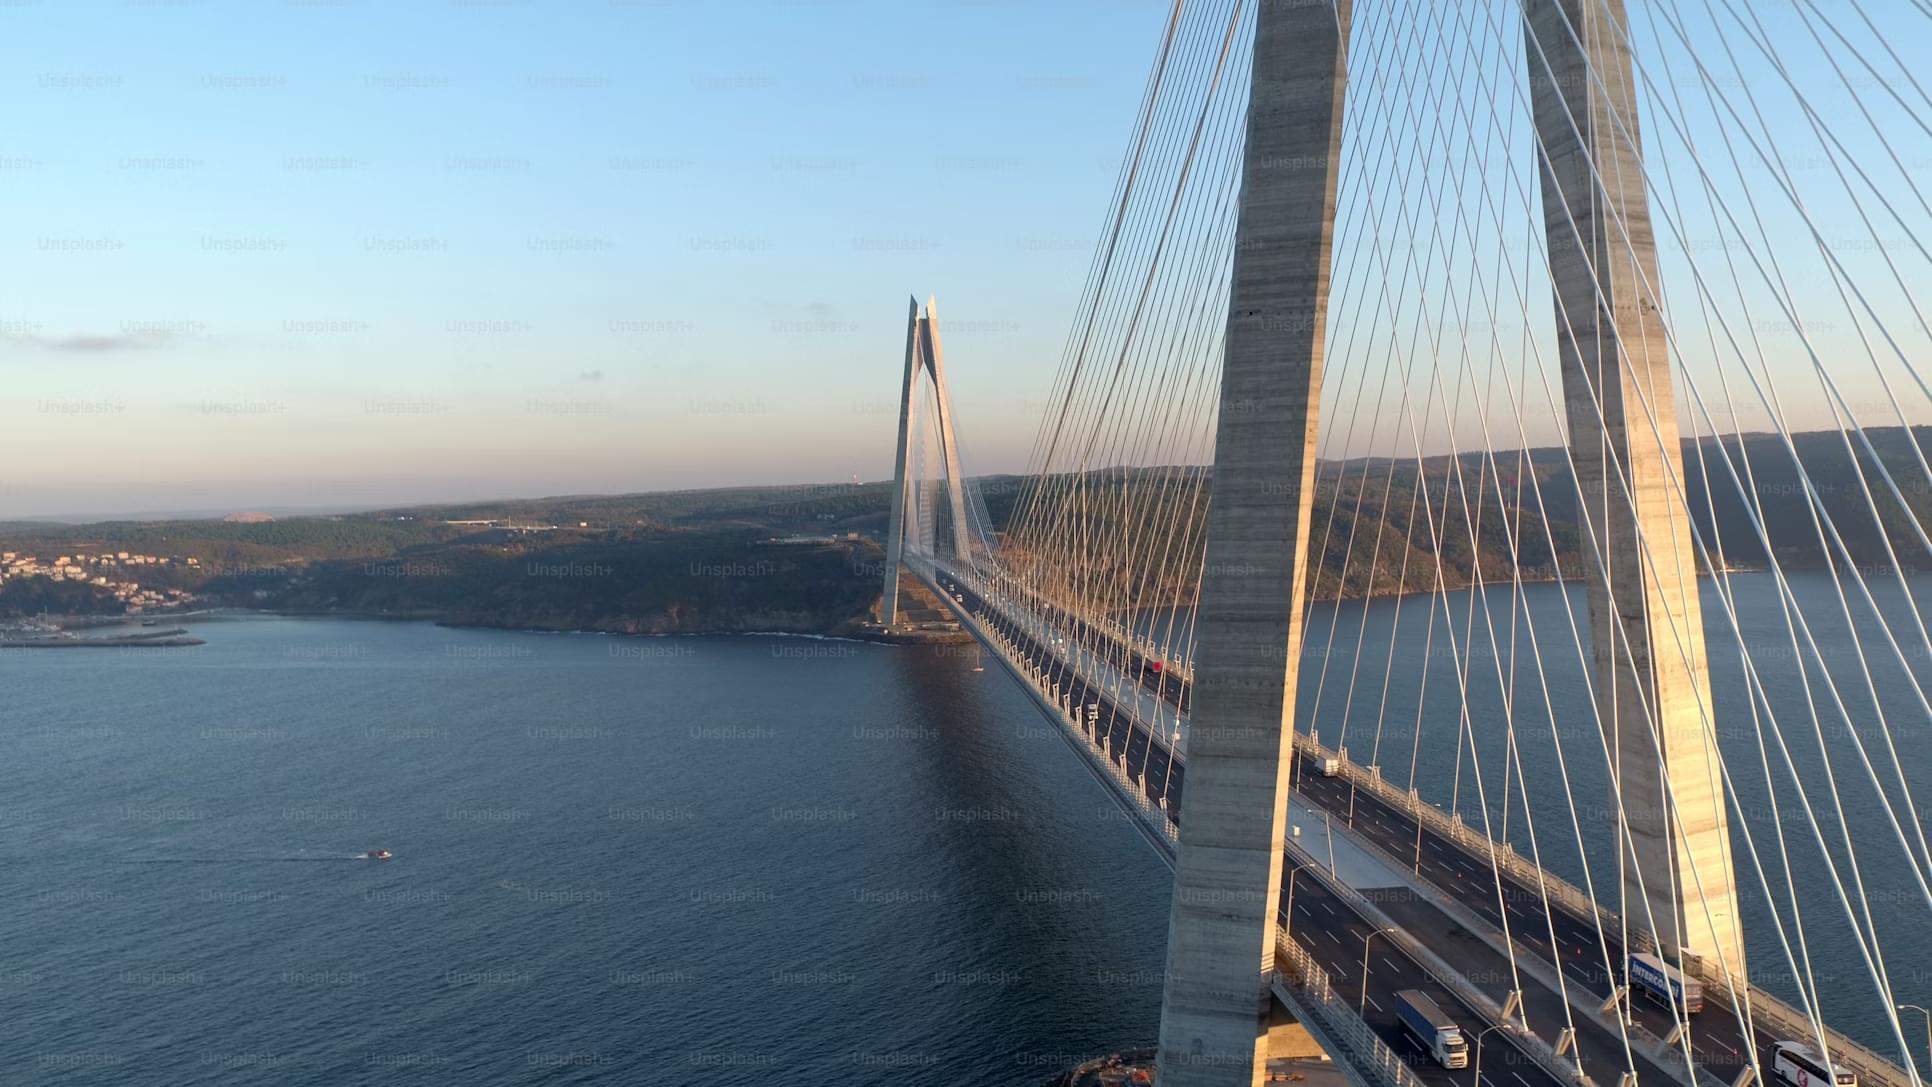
711, 861
723, 860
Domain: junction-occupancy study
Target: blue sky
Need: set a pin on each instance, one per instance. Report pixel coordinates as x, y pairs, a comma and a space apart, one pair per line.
332, 253
344, 253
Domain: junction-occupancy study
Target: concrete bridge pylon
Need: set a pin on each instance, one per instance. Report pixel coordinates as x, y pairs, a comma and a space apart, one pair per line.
923, 355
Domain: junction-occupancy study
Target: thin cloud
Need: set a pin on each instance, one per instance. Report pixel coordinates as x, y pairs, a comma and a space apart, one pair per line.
94, 343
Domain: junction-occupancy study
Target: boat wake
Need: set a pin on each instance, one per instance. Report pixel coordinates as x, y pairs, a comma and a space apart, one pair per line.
270, 858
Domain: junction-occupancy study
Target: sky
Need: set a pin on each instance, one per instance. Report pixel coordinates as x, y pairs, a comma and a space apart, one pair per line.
348, 253
345, 254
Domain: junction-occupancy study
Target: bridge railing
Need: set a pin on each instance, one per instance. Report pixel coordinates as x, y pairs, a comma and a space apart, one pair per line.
1780, 1018
1181, 671
1561, 892
1767, 1012
1151, 818
1128, 699
1304, 987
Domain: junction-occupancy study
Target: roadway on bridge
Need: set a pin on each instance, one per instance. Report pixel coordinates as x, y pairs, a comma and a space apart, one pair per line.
1444, 865
1419, 913
1324, 924
1145, 757
1329, 929
1468, 879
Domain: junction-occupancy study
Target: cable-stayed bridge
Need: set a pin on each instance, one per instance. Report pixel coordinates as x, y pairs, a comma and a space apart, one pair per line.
1423, 546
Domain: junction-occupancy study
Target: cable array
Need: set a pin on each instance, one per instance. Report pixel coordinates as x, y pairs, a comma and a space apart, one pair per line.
1483, 490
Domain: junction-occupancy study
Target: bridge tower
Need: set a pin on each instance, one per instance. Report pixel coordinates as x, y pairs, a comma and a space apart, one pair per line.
1652, 685
1227, 883
1222, 926
923, 353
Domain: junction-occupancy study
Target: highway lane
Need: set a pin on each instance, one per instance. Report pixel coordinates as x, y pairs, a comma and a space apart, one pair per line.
1601, 1050
1330, 930
1449, 868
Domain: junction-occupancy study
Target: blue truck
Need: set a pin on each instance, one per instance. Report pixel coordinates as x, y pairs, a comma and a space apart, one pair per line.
1665, 982
1432, 1027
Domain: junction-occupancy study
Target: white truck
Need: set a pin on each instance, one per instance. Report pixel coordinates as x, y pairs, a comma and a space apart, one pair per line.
1329, 767
1432, 1027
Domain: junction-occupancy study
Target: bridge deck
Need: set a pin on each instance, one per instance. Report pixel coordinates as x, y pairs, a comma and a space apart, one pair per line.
1456, 869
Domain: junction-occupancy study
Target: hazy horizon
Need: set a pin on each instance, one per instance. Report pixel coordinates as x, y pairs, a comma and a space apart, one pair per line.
279, 261
280, 507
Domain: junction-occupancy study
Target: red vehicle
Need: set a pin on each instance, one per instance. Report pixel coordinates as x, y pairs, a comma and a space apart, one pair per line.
378, 854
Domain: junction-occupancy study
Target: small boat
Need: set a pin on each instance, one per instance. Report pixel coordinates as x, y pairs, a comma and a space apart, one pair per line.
378, 854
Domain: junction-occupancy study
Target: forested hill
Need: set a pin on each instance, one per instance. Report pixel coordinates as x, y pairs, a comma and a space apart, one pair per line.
806, 557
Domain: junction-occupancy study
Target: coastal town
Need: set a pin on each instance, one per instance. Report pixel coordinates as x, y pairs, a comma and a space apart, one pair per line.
116, 573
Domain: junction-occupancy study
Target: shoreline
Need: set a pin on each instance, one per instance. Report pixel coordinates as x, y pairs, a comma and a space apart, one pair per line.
172, 640
853, 630
841, 633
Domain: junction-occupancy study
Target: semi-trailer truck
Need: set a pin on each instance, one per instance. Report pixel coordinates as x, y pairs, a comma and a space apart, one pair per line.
1432, 1027
1665, 982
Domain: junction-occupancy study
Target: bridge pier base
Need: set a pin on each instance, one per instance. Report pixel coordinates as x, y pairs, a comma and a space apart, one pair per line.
1287, 1038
